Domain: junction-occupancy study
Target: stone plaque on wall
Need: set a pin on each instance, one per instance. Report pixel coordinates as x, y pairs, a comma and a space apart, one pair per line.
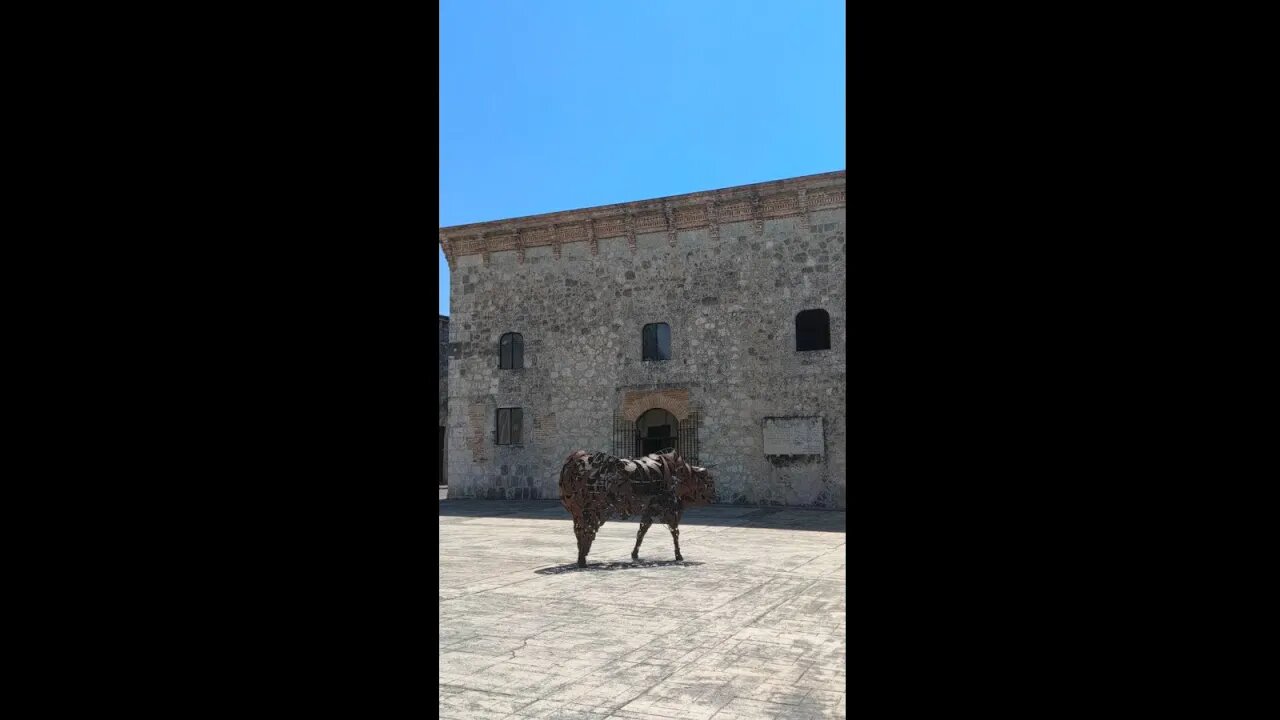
793, 436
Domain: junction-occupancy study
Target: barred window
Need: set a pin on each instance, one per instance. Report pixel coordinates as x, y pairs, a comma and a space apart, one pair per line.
813, 330
510, 423
656, 342
511, 352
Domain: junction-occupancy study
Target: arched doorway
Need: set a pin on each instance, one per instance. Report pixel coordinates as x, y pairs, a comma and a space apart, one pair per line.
656, 430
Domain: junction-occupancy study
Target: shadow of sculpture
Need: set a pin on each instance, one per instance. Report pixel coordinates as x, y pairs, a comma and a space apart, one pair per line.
633, 565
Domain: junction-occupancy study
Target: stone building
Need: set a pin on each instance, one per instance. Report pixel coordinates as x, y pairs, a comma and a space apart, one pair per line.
444, 398
712, 323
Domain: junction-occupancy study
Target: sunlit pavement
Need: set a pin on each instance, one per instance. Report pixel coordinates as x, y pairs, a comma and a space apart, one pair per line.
750, 625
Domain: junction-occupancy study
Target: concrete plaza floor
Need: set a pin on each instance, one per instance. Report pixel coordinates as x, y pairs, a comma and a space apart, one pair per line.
750, 625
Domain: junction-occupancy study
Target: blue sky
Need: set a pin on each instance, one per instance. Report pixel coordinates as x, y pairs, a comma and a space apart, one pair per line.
561, 104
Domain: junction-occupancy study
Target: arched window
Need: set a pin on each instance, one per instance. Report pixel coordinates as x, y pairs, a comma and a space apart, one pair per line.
656, 342
813, 330
511, 352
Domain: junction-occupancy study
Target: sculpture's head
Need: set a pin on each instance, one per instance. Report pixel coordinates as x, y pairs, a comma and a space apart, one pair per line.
696, 486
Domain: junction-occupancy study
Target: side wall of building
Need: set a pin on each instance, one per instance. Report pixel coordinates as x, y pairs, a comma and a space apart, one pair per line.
731, 305
443, 338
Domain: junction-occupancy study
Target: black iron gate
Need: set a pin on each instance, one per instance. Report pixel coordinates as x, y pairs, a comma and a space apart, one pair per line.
687, 439
627, 441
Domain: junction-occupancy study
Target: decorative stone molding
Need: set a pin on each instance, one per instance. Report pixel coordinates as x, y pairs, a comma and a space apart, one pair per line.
650, 222
611, 227
794, 197
690, 216
637, 403
447, 247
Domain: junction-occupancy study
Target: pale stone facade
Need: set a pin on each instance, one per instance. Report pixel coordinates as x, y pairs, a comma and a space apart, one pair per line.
728, 271
443, 338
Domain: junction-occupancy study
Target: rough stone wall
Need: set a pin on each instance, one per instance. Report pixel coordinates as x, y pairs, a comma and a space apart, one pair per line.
443, 333
444, 368
730, 298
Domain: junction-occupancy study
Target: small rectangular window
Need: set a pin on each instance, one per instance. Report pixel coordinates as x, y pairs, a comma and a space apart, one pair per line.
656, 342
510, 425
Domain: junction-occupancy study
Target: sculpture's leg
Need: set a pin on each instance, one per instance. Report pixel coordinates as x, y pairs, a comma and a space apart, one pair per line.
586, 536
580, 532
645, 522
673, 522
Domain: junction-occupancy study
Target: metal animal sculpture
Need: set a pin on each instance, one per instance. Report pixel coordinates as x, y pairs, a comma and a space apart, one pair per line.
600, 487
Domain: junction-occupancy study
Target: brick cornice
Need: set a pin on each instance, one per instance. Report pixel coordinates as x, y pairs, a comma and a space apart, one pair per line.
711, 208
